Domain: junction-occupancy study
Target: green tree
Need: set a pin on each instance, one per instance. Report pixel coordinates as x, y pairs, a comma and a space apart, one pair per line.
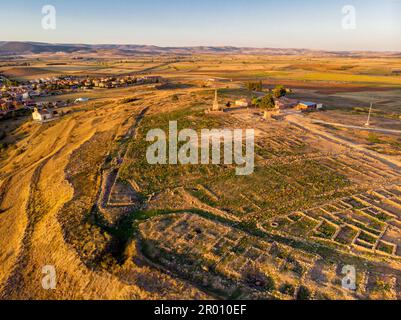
256, 101
279, 91
267, 102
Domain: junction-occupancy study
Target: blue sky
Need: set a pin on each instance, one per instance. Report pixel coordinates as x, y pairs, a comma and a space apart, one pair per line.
315, 24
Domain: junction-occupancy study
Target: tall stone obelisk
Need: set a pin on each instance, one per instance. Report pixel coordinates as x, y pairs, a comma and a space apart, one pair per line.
216, 106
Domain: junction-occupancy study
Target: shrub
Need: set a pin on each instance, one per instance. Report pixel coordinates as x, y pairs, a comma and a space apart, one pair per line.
254, 86
279, 91
304, 293
129, 100
259, 280
374, 138
288, 289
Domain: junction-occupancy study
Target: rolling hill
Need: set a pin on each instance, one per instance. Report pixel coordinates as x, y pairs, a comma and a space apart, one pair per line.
27, 48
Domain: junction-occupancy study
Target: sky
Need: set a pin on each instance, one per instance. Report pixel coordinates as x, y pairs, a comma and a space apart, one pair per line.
312, 24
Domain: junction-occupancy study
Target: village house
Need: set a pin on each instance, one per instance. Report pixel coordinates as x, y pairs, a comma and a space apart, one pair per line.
22, 95
29, 103
306, 106
42, 115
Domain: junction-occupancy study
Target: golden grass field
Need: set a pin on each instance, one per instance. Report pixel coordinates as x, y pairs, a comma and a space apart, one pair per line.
201, 233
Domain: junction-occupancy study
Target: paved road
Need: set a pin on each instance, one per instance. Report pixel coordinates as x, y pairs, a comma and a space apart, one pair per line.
357, 127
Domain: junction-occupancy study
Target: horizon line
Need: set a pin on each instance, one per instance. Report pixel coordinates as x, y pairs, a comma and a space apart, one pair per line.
199, 46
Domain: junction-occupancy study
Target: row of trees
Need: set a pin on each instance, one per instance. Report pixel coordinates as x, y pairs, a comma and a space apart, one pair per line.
254, 86
257, 86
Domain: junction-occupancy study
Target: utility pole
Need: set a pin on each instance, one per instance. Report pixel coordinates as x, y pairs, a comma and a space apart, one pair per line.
370, 112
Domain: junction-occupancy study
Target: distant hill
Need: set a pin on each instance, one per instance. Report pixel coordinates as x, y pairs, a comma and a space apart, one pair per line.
7, 48
26, 48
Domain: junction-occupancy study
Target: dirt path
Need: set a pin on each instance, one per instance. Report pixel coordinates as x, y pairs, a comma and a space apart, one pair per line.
308, 125
196, 203
357, 127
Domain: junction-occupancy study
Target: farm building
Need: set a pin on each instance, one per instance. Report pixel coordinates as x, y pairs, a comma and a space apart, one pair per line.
285, 103
307, 106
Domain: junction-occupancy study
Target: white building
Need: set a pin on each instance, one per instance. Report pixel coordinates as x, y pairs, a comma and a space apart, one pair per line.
79, 100
242, 103
42, 115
